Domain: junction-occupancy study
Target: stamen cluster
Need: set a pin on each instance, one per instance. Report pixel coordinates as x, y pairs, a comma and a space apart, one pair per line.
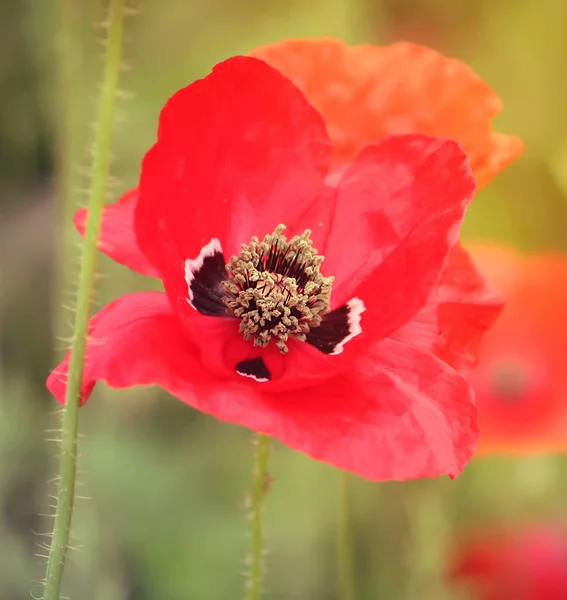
276, 289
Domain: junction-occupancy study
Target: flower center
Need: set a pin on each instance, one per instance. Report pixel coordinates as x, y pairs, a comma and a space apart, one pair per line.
276, 289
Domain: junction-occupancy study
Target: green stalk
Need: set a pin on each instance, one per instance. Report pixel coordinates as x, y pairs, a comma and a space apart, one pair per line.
258, 491
345, 556
101, 167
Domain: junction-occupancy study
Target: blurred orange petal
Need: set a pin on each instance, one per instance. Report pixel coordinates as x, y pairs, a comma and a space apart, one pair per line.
520, 382
367, 92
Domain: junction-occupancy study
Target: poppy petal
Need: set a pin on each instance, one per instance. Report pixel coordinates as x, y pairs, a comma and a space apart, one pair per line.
368, 92
400, 206
117, 237
400, 414
462, 308
135, 340
256, 156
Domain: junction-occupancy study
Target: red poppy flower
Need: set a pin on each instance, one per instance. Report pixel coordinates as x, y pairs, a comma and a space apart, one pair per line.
520, 380
527, 564
268, 338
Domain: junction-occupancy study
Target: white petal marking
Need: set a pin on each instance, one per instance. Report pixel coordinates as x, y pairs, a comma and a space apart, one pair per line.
194, 265
259, 379
355, 309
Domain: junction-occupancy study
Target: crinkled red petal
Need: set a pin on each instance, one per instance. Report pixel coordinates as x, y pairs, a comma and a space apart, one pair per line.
398, 212
398, 414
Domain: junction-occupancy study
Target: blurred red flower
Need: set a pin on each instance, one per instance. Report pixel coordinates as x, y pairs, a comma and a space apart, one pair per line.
520, 382
526, 564
239, 152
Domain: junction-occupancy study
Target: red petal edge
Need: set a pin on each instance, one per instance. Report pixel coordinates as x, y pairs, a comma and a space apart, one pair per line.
117, 236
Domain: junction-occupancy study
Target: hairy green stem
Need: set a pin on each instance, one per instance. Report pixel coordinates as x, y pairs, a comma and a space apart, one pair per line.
100, 172
259, 489
345, 566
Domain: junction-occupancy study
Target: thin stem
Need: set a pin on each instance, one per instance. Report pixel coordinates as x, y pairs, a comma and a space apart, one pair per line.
101, 168
345, 553
259, 489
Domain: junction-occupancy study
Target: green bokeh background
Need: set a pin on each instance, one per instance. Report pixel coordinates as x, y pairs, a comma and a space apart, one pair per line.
166, 486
